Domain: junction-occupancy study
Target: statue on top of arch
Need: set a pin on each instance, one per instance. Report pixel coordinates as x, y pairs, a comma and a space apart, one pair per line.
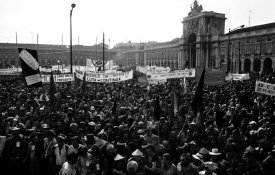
195, 8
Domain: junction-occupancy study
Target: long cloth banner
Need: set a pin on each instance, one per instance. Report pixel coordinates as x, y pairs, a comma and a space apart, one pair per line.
12, 71
265, 88
176, 74
237, 77
58, 78
105, 77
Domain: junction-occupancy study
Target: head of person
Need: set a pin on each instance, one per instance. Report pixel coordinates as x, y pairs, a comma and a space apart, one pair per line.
60, 140
166, 160
132, 167
184, 159
150, 150
72, 158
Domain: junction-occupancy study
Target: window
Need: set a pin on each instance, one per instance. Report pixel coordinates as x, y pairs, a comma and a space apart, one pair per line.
259, 39
222, 44
257, 49
248, 51
268, 48
268, 39
222, 52
248, 40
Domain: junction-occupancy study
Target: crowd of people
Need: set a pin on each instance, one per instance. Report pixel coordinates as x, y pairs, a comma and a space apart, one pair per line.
112, 128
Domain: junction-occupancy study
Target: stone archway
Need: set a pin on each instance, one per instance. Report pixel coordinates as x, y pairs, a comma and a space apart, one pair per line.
257, 65
268, 65
247, 64
192, 50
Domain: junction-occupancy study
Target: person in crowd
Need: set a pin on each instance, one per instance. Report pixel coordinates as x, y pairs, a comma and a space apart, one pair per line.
116, 128
68, 166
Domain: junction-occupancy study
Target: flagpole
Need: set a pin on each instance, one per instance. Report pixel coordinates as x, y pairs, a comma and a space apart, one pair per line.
103, 54
186, 118
17, 47
109, 54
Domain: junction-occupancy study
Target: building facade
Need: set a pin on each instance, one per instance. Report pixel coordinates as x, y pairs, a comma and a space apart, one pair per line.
53, 54
204, 43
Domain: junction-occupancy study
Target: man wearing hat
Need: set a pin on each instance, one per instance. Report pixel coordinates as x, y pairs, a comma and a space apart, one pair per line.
119, 166
251, 163
153, 161
14, 150
215, 157
48, 144
60, 153
138, 157
167, 167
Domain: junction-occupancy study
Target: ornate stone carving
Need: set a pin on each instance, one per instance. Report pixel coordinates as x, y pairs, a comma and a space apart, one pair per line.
195, 8
193, 26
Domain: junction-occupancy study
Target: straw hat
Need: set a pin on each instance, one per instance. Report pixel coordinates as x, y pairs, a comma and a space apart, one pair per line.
118, 157
215, 152
137, 152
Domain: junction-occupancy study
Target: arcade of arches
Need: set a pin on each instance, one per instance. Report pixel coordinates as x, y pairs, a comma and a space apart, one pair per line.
258, 65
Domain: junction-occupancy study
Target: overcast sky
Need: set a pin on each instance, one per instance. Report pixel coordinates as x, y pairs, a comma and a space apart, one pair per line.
121, 20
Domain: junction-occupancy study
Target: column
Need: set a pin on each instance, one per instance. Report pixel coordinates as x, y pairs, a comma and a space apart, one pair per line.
242, 65
262, 65
251, 65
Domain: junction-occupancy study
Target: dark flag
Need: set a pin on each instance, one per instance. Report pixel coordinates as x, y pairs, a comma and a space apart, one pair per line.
114, 107
197, 103
175, 102
53, 90
218, 112
30, 67
157, 109
77, 82
84, 83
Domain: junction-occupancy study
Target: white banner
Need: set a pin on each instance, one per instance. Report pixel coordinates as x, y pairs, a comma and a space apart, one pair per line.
13, 71
58, 78
33, 79
105, 77
29, 59
152, 69
178, 74
237, 77
156, 81
265, 88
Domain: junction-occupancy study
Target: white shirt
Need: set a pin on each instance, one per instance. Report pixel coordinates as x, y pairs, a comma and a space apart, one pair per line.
67, 169
60, 155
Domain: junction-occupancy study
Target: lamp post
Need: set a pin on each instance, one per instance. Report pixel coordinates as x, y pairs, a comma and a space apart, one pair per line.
58, 65
228, 49
71, 47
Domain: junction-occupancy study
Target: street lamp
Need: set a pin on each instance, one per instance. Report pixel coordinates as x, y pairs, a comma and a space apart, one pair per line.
71, 47
228, 49
58, 65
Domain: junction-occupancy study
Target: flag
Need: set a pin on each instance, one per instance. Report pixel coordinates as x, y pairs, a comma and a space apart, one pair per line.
53, 90
184, 86
114, 107
197, 103
174, 102
157, 109
77, 83
84, 83
30, 67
